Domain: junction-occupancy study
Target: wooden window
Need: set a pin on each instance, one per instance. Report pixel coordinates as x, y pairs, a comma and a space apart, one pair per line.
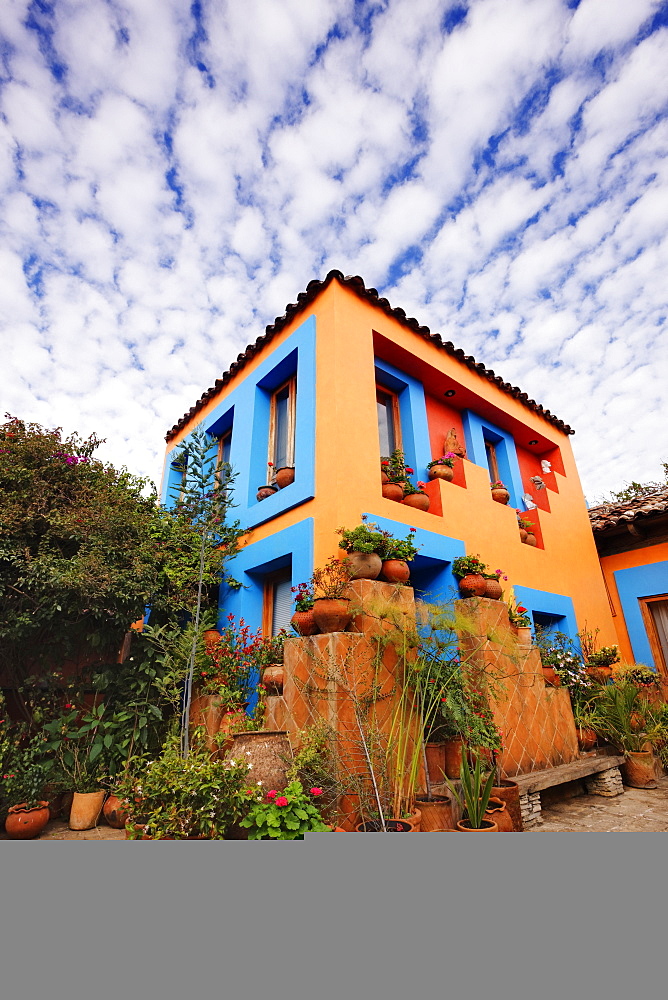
278, 608
389, 423
655, 616
223, 454
492, 462
282, 425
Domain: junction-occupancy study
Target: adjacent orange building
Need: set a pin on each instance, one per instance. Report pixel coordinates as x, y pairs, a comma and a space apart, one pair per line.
336, 382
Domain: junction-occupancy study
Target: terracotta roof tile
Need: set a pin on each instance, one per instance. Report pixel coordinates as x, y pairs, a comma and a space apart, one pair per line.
356, 284
609, 515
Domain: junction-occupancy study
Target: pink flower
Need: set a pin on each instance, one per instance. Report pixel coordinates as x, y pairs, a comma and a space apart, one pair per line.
315, 791
281, 801
272, 794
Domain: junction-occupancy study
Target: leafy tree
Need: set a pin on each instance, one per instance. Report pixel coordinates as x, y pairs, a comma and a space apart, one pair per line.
636, 491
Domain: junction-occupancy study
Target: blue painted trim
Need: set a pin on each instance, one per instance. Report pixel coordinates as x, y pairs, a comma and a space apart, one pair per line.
413, 413
476, 432
632, 584
555, 605
246, 411
430, 571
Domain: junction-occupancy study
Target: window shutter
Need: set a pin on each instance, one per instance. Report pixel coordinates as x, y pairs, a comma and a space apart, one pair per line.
282, 610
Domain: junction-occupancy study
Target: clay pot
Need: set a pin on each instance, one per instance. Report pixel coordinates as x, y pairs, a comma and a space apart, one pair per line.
420, 501
464, 826
415, 819
272, 678
497, 812
393, 491
86, 809
114, 813
23, 823
396, 571
266, 491
212, 639
493, 590
206, 710
587, 738
384, 478
435, 754
551, 677
366, 565
509, 792
530, 539
523, 534
284, 477
436, 813
524, 635
501, 496
303, 623
391, 826
270, 754
443, 472
600, 674
452, 756
638, 770
472, 585
332, 614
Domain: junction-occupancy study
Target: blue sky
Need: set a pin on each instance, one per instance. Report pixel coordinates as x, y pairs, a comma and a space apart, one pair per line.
171, 175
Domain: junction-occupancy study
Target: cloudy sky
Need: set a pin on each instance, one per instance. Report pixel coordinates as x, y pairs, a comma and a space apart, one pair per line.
172, 174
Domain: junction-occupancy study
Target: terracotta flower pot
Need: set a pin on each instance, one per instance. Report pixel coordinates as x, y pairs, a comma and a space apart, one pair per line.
523, 534
435, 754
524, 635
420, 501
284, 477
501, 496
600, 674
86, 809
415, 819
551, 677
384, 478
472, 585
332, 614
366, 565
266, 491
393, 491
23, 823
391, 826
436, 813
269, 753
509, 792
587, 738
272, 678
493, 590
530, 539
464, 826
452, 756
497, 812
638, 770
303, 623
396, 571
443, 472
114, 813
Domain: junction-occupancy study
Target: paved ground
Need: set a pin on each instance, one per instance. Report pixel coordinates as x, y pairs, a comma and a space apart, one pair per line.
638, 810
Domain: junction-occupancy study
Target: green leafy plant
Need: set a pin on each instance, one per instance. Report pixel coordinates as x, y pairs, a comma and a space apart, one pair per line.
303, 597
395, 467
636, 673
331, 580
286, 815
447, 459
624, 717
411, 490
604, 657
498, 485
523, 522
364, 538
398, 548
464, 565
475, 791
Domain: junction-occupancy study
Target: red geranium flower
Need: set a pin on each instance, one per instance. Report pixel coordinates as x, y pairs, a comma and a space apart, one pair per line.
281, 801
315, 791
272, 794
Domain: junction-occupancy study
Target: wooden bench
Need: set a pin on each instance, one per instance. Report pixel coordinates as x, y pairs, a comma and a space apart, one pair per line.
533, 783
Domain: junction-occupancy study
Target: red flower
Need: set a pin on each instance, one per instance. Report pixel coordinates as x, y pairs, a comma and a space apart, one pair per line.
281, 801
408, 470
272, 794
521, 610
315, 791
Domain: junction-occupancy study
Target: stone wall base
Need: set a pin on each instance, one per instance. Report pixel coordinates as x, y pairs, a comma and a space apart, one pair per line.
531, 810
608, 783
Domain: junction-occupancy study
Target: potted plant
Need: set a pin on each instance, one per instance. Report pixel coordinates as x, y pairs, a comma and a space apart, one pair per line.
599, 662
331, 608
493, 588
470, 572
362, 545
396, 553
499, 492
584, 717
302, 620
416, 496
624, 718
24, 788
264, 492
81, 745
526, 529
474, 797
394, 474
281, 477
443, 467
286, 815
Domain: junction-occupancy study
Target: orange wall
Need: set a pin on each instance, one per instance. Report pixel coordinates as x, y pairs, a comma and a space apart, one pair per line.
627, 560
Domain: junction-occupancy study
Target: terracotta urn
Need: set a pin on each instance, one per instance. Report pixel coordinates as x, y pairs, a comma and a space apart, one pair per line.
393, 491
23, 823
509, 792
366, 565
523, 534
266, 491
86, 809
114, 813
497, 812
472, 585
268, 752
332, 614
493, 589
384, 478
452, 756
303, 623
419, 501
436, 813
284, 477
587, 738
638, 770
391, 826
464, 826
435, 754
501, 495
443, 472
396, 571
551, 677
272, 678
530, 539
